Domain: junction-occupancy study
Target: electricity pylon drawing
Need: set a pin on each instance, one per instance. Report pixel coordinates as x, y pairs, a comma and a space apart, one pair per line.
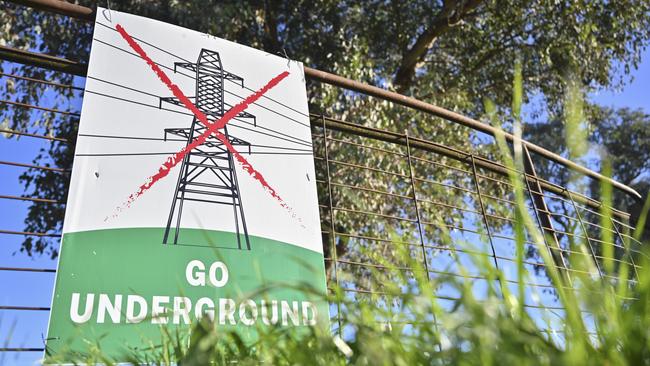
207, 173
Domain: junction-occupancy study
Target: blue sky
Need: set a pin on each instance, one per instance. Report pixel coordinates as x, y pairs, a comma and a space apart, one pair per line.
35, 289
20, 288
634, 95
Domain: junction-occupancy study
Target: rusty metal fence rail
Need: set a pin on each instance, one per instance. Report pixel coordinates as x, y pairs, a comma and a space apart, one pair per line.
379, 190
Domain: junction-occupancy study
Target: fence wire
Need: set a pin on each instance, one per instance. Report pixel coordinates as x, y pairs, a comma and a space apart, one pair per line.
381, 192
375, 195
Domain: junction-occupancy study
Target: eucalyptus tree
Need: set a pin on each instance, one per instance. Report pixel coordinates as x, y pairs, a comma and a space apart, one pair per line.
451, 53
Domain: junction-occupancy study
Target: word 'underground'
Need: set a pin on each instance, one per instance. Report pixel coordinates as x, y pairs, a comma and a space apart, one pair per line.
180, 309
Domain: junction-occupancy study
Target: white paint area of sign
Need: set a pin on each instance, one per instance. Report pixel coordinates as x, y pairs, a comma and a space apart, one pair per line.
121, 139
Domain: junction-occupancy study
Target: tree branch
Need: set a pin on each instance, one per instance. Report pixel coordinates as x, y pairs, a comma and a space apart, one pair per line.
271, 39
453, 11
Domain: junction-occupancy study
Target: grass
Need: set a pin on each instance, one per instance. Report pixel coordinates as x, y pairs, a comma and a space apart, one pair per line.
606, 318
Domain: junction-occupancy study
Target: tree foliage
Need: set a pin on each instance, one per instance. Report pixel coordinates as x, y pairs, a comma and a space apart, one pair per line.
620, 137
451, 53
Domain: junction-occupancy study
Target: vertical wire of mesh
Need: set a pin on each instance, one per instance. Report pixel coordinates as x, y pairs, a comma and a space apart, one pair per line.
332, 221
626, 247
585, 232
419, 220
415, 203
485, 219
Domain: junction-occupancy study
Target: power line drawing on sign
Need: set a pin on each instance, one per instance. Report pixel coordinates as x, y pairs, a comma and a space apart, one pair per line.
211, 159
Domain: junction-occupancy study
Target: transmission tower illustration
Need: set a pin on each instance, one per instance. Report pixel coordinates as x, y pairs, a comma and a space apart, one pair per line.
207, 173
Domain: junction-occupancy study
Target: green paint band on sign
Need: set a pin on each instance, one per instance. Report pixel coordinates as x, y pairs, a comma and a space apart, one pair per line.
180, 284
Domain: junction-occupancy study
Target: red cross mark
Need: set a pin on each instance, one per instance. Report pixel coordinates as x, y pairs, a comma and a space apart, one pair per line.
212, 128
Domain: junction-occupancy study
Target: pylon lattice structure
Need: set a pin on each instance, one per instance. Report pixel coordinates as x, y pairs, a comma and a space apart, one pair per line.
207, 173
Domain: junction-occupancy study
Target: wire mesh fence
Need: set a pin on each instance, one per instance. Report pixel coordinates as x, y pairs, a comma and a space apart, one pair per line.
379, 190
413, 197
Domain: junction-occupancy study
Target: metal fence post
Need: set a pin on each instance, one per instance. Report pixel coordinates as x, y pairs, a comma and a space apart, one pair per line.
543, 216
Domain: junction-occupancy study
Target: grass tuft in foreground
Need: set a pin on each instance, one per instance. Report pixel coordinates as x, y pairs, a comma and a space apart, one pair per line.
605, 302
